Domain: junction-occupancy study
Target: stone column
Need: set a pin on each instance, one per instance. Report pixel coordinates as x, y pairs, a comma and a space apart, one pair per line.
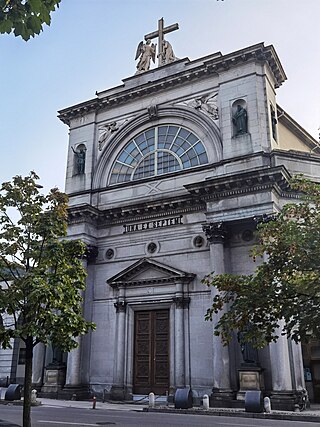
216, 235
39, 353
179, 336
118, 388
73, 377
282, 397
73, 374
297, 366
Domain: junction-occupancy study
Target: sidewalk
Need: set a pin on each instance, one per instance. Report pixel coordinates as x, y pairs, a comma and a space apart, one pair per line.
117, 406
311, 415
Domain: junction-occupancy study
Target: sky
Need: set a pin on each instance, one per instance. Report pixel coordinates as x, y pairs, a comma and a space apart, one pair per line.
91, 44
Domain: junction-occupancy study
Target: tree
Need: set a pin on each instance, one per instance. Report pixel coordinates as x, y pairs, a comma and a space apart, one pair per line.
41, 274
282, 296
25, 17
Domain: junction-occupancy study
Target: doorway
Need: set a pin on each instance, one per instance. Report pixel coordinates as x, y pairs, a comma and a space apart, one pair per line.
151, 352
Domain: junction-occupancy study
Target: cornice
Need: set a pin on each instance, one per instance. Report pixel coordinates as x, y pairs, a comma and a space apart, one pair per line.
193, 70
258, 180
256, 52
138, 212
170, 275
83, 213
151, 281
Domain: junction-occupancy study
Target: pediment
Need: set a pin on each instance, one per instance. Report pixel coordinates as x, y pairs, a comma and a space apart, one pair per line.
147, 271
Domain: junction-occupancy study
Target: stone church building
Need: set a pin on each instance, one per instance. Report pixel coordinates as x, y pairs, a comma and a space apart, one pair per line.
166, 175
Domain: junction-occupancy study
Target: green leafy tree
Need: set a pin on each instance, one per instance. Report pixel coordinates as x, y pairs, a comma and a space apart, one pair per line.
41, 274
25, 17
282, 297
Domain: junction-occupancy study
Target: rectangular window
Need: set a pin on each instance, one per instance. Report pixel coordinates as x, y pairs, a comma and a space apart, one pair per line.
22, 356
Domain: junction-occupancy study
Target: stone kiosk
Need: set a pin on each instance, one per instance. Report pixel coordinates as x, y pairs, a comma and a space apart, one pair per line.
165, 175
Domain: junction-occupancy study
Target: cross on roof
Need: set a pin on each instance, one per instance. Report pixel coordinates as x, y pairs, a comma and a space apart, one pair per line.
160, 33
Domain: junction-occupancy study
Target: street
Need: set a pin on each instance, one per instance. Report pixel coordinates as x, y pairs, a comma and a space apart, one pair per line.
44, 416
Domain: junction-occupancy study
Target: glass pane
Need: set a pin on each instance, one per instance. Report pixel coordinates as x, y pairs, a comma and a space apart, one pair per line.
139, 139
167, 163
161, 141
130, 147
145, 168
123, 156
162, 130
185, 146
203, 158
172, 130
184, 133
169, 140
199, 148
194, 161
192, 139
178, 141
149, 133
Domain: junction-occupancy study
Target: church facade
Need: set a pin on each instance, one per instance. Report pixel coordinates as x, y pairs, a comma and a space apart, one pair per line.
166, 176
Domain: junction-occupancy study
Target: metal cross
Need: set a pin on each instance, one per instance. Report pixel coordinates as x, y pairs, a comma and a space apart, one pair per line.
160, 33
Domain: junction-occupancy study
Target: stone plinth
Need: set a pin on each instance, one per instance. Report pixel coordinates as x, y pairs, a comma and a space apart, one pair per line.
250, 378
54, 380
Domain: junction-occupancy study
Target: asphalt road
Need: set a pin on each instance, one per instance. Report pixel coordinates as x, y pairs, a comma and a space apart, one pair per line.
43, 416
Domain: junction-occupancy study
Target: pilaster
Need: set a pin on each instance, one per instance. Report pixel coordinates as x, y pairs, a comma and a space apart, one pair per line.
181, 302
118, 388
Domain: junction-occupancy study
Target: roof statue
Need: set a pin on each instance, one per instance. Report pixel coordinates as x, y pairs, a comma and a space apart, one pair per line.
147, 51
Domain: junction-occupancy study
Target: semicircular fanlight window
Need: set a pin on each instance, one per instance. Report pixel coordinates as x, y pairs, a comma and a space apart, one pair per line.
158, 151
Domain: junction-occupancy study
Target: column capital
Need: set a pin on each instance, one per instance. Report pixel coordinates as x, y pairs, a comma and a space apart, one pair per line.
181, 302
120, 306
264, 218
215, 232
91, 253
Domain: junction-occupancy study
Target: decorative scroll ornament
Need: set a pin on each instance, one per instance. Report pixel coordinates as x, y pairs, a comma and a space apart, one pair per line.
107, 130
207, 104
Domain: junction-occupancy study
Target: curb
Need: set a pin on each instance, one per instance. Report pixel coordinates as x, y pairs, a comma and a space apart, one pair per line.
224, 413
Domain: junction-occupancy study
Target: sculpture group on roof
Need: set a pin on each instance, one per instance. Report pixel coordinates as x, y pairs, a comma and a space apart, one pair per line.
147, 51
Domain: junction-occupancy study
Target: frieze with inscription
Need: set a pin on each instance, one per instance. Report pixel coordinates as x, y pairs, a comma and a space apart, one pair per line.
150, 225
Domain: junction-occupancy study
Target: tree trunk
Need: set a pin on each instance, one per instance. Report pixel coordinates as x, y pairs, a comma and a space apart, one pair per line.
28, 383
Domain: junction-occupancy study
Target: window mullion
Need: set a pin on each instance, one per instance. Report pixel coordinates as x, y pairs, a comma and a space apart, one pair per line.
156, 133
174, 139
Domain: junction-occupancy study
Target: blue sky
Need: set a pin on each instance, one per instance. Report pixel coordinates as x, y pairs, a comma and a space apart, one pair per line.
91, 44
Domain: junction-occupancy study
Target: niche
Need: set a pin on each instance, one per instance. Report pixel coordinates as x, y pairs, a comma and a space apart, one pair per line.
239, 117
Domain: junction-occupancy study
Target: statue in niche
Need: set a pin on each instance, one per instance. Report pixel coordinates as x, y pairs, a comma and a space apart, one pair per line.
145, 52
80, 160
167, 53
249, 353
240, 120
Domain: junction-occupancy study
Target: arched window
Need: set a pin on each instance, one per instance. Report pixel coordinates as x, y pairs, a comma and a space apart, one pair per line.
158, 151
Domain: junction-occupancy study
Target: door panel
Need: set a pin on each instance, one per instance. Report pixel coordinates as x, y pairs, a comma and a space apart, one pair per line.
151, 359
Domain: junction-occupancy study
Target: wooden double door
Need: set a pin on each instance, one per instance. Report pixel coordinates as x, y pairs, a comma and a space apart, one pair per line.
151, 352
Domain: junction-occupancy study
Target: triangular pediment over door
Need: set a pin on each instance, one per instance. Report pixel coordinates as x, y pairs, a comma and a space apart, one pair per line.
148, 271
